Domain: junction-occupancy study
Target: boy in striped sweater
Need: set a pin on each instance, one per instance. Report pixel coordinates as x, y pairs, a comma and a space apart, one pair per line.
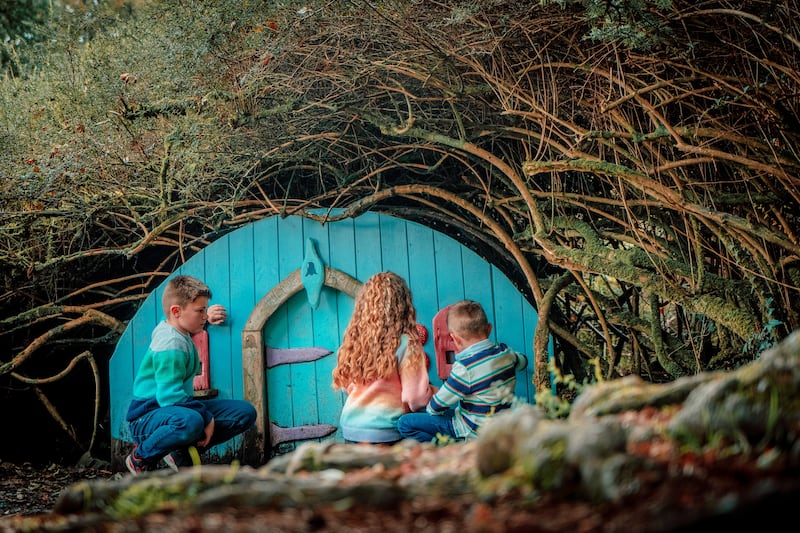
481, 381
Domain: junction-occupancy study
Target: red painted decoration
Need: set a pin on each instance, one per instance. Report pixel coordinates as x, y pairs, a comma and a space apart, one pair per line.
442, 343
203, 380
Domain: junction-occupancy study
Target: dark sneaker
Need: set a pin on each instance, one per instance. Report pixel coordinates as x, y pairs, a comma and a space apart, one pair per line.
179, 459
170, 461
136, 465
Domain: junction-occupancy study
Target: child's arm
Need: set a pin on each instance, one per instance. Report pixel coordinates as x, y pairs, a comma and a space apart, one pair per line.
451, 392
173, 386
522, 362
170, 377
416, 389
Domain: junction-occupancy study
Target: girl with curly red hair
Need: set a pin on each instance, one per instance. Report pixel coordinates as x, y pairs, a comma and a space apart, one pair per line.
381, 365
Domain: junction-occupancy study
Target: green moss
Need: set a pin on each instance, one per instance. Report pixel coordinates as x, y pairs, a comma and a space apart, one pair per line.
144, 498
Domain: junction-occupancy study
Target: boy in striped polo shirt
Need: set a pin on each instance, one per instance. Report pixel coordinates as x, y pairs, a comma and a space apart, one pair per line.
481, 381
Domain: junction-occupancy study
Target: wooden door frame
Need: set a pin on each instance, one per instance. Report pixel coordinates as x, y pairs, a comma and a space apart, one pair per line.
253, 354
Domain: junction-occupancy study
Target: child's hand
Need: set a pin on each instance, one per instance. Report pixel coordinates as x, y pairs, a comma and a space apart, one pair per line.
208, 431
217, 314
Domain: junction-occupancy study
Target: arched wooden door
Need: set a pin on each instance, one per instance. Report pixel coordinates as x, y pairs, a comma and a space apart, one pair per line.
282, 352
246, 265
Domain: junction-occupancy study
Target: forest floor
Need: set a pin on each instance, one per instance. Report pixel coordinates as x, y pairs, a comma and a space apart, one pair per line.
716, 496
31, 490
649, 482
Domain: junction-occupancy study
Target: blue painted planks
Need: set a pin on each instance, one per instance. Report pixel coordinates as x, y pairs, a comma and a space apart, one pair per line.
218, 270
341, 254
508, 322
126, 359
394, 253
421, 278
368, 241
243, 297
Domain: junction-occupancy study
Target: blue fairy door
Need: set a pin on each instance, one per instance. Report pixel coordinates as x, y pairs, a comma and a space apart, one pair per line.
288, 356
289, 285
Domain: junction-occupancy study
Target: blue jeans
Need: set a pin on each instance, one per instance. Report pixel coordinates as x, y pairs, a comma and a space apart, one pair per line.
172, 428
423, 427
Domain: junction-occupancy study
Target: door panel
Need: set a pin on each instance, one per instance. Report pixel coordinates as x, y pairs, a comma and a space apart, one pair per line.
301, 394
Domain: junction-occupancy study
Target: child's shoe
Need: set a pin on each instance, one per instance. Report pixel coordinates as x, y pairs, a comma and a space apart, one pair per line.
179, 459
170, 461
136, 465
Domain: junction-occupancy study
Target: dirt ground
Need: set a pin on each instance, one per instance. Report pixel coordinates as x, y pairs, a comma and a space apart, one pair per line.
30, 490
677, 499
668, 486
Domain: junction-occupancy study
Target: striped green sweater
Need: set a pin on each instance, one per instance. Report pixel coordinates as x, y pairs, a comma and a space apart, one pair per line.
166, 374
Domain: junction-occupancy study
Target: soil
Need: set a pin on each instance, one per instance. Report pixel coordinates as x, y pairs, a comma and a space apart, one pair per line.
681, 498
26, 489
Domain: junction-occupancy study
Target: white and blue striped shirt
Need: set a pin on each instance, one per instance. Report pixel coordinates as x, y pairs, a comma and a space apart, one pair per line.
481, 383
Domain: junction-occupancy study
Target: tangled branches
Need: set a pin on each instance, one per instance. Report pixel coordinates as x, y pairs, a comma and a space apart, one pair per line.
647, 203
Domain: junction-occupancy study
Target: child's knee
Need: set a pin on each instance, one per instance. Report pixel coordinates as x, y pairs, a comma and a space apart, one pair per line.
247, 419
190, 427
251, 414
404, 426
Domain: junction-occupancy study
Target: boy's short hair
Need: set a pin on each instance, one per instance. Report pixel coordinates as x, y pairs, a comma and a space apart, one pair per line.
183, 290
467, 318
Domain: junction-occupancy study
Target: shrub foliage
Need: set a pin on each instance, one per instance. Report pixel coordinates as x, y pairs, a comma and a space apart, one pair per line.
643, 192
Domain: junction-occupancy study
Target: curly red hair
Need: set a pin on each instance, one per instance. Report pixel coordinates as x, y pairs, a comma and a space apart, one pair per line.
383, 311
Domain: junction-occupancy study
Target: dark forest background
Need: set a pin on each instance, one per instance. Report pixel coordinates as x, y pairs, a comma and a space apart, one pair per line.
632, 165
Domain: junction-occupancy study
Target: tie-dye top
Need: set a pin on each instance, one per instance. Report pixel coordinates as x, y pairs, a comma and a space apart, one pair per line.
371, 411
